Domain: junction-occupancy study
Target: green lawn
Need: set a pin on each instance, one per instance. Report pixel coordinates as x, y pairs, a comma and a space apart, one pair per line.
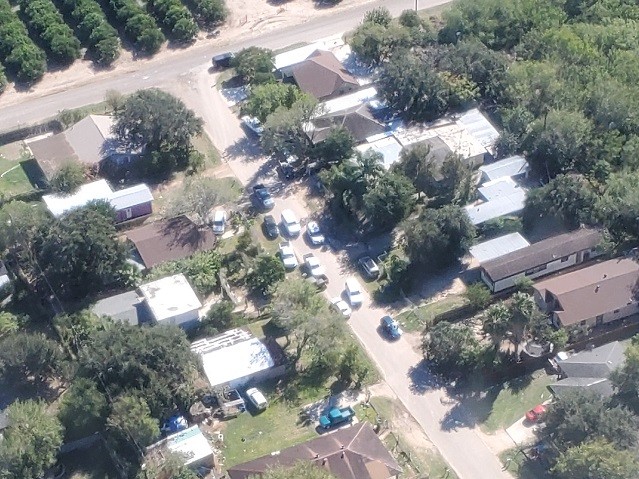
14, 180
516, 463
516, 397
417, 320
204, 145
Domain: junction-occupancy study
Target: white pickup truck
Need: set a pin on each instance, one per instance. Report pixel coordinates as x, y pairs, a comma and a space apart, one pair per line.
287, 253
313, 266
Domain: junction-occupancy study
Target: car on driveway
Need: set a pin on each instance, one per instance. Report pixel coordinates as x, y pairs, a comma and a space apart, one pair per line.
354, 292
369, 267
269, 225
290, 223
257, 399
313, 266
340, 306
253, 124
314, 234
263, 197
219, 222
287, 253
535, 414
391, 327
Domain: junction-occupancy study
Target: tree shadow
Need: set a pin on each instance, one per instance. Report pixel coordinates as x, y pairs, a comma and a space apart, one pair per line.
473, 407
422, 379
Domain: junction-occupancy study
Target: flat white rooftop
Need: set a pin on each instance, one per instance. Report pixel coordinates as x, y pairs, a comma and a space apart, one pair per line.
60, 204
348, 101
497, 247
499, 188
169, 297
387, 146
232, 355
297, 55
505, 205
511, 166
191, 444
480, 128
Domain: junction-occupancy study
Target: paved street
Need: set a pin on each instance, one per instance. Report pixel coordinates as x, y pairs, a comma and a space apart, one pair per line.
30, 107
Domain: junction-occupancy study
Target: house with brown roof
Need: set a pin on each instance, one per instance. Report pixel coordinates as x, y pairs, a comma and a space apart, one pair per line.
323, 76
599, 294
169, 240
357, 120
89, 142
349, 453
540, 259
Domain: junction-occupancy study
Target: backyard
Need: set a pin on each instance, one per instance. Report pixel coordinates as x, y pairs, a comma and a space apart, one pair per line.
15, 164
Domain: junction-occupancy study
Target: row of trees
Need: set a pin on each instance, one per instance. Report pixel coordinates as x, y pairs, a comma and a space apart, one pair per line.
139, 27
93, 29
176, 20
17, 51
46, 23
209, 12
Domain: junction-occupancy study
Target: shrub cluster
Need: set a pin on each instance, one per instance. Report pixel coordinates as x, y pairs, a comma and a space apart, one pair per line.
209, 12
93, 29
175, 18
3, 80
139, 26
45, 21
17, 51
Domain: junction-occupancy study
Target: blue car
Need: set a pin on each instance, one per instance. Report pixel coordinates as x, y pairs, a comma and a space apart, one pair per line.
391, 327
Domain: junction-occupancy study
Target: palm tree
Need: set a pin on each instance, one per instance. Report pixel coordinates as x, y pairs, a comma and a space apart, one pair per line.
496, 322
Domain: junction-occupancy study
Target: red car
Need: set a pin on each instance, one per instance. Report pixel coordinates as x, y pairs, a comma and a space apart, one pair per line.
535, 414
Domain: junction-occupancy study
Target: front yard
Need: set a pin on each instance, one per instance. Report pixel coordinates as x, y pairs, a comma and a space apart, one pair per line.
519, 466
417, 319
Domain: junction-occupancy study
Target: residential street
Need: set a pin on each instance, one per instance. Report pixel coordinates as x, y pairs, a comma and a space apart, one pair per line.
33, 106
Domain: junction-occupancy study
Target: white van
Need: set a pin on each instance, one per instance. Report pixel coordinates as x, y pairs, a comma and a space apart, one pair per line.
219, 222
354, 292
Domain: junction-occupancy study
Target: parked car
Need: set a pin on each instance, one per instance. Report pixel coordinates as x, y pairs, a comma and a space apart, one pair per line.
253, 124
336, 416
270, 227
314, 234
256, 398
536, 413
391, 327
342, 307
290, 223
223, 60
369, 267
287, 253
354, 292
263, 196
219, 222
313, 265
320, 282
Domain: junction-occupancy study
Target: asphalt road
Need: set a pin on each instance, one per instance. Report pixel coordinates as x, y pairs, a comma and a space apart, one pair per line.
36, 105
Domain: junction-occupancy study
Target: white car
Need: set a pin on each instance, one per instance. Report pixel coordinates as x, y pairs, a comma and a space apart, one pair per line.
256, 398
288, 255
341, 307
354, 292
219, 222
313, 266
253, 124
290, 223
314, 234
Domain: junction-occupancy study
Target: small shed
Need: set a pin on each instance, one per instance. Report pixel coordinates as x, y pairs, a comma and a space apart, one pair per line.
131, 203
191, 444
171, 300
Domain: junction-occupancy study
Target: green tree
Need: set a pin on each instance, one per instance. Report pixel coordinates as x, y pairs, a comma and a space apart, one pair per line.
626, 378
594, 460
374, 43
457, 181
264, 99
380, 16
305, 317
68, 178
9, 323
30, 444
389, 201
618, 207
417, 164
83, 409
77, 328
452, 348
201, 269
305, 469
29, 357
220, 318
267, 272
336, 147
478, 296
438, 237
131, 421
496, 322
284, 128
80, 252
199, 195
354, 367
254, 65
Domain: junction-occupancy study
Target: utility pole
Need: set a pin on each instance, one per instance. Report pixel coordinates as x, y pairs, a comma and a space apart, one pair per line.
415, 6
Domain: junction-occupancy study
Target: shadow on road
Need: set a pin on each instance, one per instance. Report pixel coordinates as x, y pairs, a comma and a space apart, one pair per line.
422, 379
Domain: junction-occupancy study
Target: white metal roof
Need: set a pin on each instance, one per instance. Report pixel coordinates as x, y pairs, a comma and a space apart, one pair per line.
511, 166
479, 128
504, 205
297, 55
497, 247
499, 188
232, 355
60, 204
169, 297
388, 146
191, 444
348, 101
132, 196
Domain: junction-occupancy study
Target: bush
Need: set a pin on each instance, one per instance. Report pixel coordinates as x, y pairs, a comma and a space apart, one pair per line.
201, 269
139, 26
45, 21
478, 296
68, 178
209, 12
3, 80
176, 19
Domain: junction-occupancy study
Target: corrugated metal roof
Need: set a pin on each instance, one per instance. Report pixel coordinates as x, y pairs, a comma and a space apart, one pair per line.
387, 146
500, 188
512, 166
480, 128
128, 197
60, 204
502, 206
497, 247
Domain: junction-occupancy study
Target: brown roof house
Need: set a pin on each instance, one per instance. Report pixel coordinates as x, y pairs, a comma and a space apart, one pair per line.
350, 453
323, 76
592, 296
89, 142
542, 258
358, 120
169, 240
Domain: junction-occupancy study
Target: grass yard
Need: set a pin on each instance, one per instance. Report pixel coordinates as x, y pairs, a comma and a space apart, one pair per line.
515, 398
519, 466
417, 319
13, 177
204, 145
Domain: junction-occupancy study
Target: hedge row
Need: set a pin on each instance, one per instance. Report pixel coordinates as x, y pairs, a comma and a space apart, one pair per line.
93, 29
17, 51
209, 12
45, 22
139, 26
175, 18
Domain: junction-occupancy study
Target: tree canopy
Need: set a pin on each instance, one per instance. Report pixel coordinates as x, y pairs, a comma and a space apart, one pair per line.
452, 347
83, 409
68, 178
596, 459
254, 65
